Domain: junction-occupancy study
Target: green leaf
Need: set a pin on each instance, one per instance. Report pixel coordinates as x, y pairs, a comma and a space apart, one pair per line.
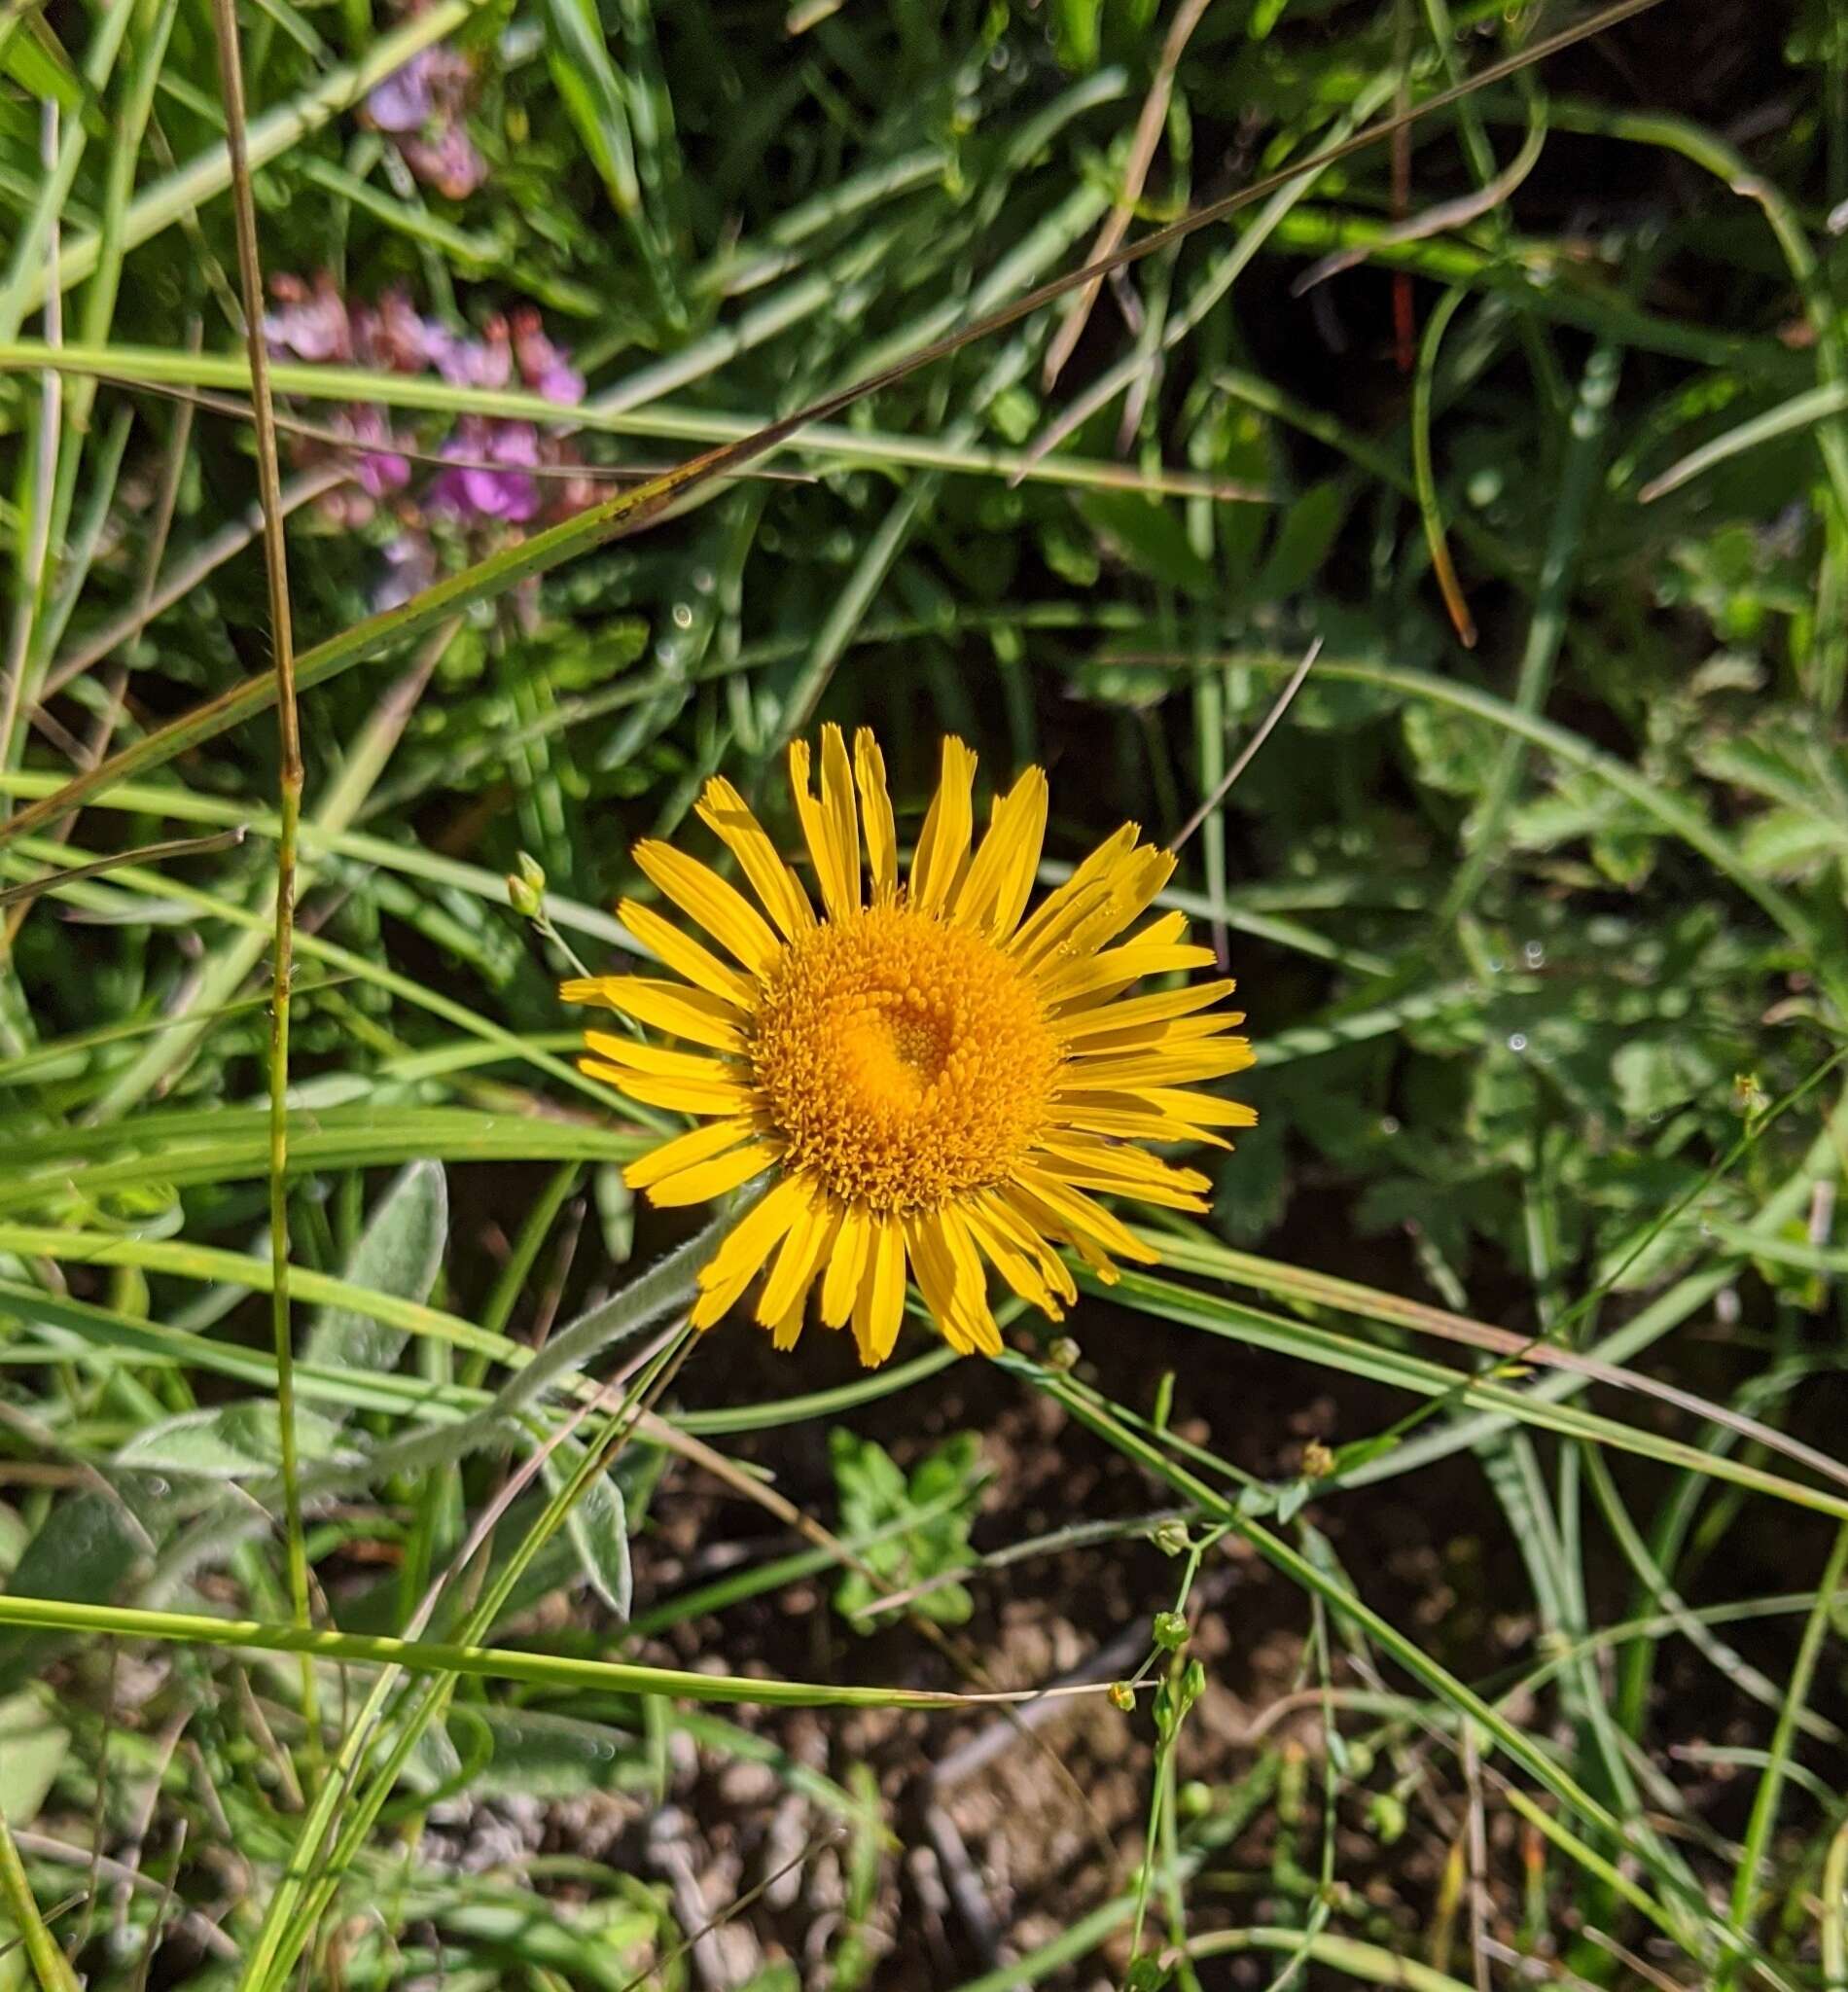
1785, 843
540, 1754
399, 1253
1150, 536
1653, 1074
241, 1441
1078, 28
33, 1747
593, 94
35, 60
597, 1526
938, 1502
86, 1552
1304, 540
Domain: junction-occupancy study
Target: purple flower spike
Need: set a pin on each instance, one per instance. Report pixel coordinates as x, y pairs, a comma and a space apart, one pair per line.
413, 563
486, 361
403, 103
312, 324
392, 336
450, 162
544, 368
477, 487
378, 472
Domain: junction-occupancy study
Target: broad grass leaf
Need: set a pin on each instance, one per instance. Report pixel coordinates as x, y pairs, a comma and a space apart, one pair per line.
399, 1253
592, 93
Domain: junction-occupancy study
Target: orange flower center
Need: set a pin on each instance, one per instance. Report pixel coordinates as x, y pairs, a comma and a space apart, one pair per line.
903, 1060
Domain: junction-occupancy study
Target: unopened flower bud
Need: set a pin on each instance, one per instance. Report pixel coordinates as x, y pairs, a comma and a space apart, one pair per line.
1170, 1632
1171, 1537
526, 887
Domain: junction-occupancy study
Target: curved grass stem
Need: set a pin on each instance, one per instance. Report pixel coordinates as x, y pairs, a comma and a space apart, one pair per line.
288, 810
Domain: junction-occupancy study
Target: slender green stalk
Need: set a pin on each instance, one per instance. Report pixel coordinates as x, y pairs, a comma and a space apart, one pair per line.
1430, 510
554, 1671
289, 812
1547, 626
1367, 1964
1764, 1804
50, 1966
1835, 1899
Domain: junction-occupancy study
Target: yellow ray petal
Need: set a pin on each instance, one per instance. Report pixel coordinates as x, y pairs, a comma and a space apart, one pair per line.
942, 845
725, 812
846, 1264
672, 1095
1184, 1064
686, 956
1020, 1272
1174, 1189
970, 1291
1008, 1222
1106, 1113
797, 1260
1124, 1159
1056, 910
786, 1331
1157, 1007
745, 1246
879, 1307
823, 851
1082, 1217
637, 1054
690, 1014
1029, 839
1133, 891
876, 814
999, 880
1204, 1110
722, 909
685, 1149
838, 813
952, 1287
1168, 931
704, 1181
1173, 1034
1117, 968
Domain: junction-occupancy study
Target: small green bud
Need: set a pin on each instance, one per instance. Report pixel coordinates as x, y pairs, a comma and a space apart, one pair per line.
1318, 1462
1171, 1537
1192, 1685
526, 887
1063, 1354
1386, 1815
1170, 1632
1194, 1800
1122, 1697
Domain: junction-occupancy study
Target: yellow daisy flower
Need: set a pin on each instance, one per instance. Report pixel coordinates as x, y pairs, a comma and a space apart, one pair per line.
936, 1079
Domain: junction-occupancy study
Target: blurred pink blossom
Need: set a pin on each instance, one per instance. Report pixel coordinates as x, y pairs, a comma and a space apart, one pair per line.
497, 476
421, 107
